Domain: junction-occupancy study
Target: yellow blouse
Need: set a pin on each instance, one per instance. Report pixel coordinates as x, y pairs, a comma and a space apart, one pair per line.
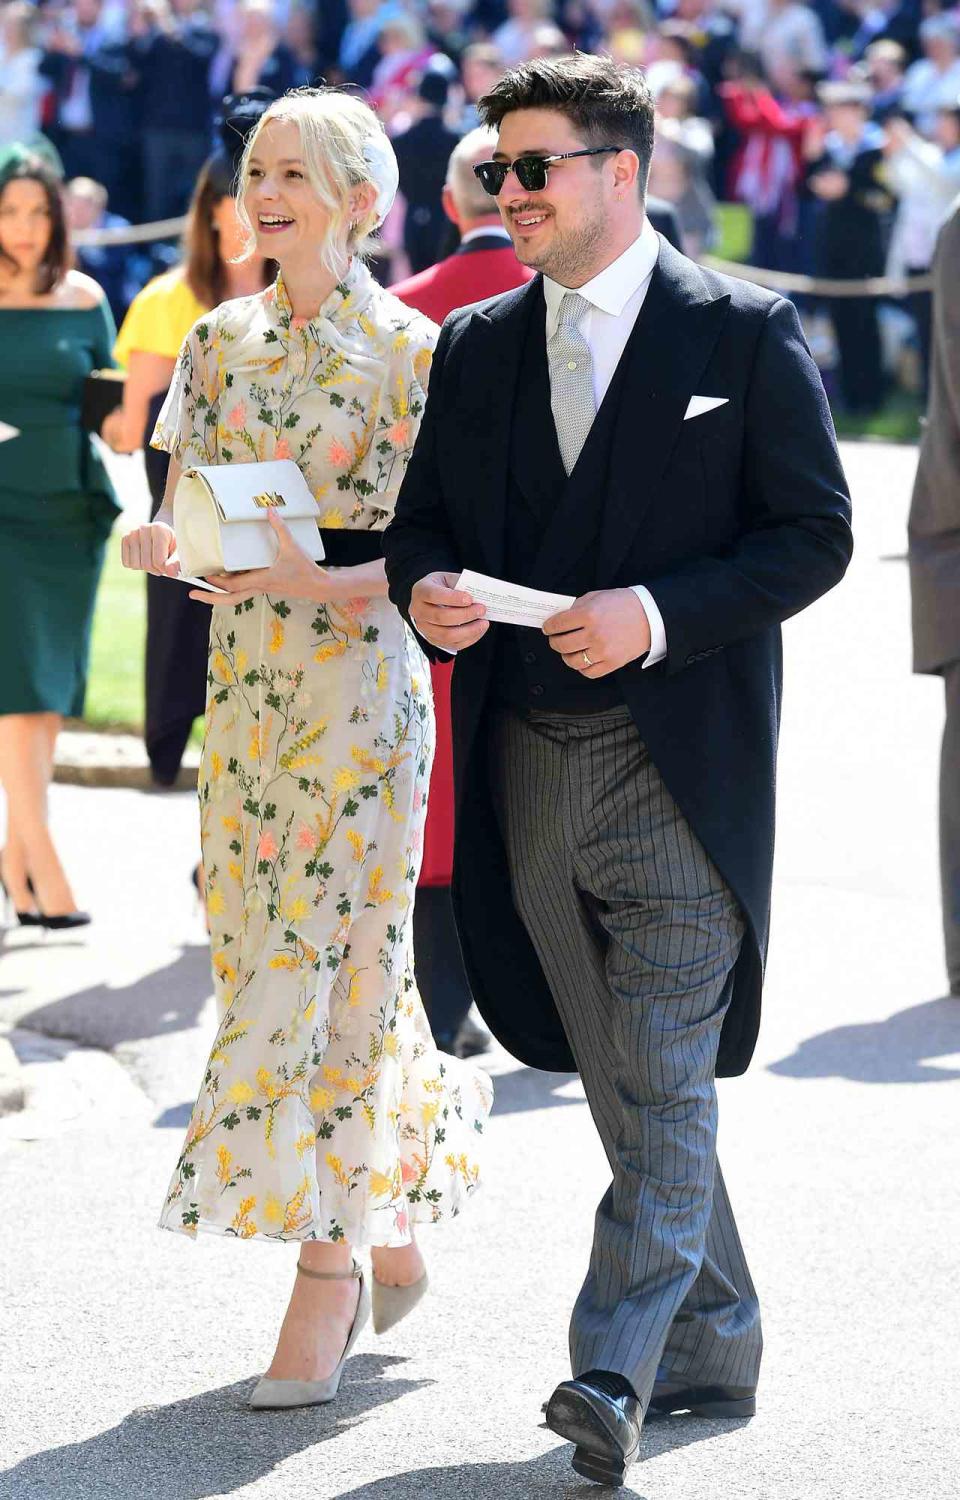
159, 318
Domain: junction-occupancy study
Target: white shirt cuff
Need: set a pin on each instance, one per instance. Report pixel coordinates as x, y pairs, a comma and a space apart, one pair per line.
658, 633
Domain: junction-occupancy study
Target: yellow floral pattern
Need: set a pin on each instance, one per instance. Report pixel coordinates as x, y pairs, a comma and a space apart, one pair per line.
326, 1111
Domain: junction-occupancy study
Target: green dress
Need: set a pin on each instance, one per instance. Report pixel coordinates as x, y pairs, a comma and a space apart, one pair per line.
57, 505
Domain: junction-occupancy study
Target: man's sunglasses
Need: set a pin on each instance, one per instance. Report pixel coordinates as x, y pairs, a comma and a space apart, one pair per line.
531, 171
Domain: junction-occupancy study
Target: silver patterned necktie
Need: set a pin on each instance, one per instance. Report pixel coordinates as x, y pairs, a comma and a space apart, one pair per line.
571, 379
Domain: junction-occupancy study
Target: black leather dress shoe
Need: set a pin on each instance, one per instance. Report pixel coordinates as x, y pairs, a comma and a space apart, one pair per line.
472, 1040
600, 1414
671, 1396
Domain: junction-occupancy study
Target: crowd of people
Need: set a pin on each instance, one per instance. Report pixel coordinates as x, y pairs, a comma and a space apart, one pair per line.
644, 433
834, 127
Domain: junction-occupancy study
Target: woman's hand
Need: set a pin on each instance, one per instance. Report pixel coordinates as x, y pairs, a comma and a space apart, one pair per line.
113, 432
151, 549
293, 575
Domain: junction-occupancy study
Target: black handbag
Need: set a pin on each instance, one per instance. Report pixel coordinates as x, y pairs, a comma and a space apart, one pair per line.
102, 394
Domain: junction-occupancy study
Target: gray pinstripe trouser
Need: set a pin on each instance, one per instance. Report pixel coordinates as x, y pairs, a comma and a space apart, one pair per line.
637, 935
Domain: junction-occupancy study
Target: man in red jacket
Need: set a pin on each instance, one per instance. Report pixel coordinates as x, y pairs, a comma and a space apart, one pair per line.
483, 265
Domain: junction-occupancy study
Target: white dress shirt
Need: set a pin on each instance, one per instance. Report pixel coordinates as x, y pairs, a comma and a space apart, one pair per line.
615, 296
495, 230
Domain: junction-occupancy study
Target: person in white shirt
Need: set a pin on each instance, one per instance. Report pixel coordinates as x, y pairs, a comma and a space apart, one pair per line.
21, 87
652, 442
933, 82
925, 175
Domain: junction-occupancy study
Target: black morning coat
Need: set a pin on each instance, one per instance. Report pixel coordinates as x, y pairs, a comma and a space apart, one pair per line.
735, 520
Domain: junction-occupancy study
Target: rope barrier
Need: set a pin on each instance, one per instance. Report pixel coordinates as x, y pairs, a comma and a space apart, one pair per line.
777, 281
134, 234
819, 286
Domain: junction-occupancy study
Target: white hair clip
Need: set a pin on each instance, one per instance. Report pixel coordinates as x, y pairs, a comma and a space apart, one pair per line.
381, 159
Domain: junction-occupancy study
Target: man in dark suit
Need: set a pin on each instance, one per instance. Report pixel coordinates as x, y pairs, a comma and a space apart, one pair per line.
652, 439
852, 233
423, 150
483, 264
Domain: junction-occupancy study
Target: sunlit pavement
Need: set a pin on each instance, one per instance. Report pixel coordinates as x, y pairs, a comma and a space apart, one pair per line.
128, 1353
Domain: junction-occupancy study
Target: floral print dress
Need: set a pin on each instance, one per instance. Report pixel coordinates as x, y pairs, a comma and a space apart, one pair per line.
326, 1111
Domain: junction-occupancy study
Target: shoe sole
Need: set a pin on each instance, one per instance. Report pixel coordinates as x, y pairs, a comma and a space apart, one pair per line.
597, 1456
747, 1407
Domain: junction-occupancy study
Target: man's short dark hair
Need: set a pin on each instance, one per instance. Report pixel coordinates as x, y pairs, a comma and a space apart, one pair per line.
607, 103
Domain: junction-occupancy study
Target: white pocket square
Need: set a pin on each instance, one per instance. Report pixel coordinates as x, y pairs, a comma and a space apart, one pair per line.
699, 404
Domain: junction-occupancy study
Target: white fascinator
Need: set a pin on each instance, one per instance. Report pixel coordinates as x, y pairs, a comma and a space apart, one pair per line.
381, 161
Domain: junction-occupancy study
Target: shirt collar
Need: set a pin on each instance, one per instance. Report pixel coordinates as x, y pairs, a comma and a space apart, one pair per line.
488, 229
612, 288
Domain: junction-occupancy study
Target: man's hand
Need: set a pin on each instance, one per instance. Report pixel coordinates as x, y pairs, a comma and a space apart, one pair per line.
444, 616
600, 632
830, 185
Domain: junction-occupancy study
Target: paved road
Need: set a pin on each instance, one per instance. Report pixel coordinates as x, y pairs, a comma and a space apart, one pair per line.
127, 1354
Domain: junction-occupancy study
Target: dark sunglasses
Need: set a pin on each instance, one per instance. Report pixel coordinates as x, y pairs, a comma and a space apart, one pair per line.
531, 171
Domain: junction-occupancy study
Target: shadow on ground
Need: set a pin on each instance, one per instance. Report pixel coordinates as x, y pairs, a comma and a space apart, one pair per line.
524, 1089
167, 1000
206, 1445
897, 1050
538, 1478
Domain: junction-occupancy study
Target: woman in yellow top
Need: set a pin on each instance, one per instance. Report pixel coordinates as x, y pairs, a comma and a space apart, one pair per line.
326, 1114
157, 323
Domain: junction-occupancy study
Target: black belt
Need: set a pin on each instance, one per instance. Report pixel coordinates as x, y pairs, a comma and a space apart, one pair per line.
347, 549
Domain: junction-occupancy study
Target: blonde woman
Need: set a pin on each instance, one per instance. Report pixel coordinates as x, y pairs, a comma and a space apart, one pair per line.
326, 1114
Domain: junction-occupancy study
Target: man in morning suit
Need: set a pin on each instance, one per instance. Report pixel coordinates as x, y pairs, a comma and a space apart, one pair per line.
653, 439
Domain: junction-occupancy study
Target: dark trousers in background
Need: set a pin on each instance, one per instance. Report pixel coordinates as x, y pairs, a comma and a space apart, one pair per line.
178, 634
638, 935
857, 331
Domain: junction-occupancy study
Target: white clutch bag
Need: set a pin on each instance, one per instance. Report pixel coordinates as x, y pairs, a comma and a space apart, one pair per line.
220, 515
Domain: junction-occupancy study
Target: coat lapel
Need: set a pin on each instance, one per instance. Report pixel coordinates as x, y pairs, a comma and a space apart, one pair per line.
499, 338
674, 337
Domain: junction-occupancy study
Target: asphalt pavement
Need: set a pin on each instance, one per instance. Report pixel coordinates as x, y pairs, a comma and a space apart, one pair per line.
127, 1353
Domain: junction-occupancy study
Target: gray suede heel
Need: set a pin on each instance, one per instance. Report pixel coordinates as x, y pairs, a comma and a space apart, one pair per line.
274, 1394
391, 1303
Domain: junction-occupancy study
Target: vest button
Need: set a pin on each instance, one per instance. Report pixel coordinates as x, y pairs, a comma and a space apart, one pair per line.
537, 690
529, 657
571, 364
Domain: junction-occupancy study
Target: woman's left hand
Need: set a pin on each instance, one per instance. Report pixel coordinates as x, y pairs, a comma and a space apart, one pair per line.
293, 575
114, 434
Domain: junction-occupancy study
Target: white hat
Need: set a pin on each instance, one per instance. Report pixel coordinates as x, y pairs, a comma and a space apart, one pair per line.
381, 160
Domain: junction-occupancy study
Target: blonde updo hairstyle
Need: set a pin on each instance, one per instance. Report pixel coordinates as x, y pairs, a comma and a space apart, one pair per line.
334, 128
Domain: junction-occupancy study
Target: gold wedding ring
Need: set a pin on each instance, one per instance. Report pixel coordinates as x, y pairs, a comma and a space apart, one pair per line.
586, 660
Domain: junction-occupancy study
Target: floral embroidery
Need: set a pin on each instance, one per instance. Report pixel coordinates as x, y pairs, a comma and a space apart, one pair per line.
325, 1111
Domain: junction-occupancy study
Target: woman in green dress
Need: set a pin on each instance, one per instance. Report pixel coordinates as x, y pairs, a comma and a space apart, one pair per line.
56, 510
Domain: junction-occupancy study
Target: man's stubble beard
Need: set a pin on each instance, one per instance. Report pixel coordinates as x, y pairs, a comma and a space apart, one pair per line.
572, 253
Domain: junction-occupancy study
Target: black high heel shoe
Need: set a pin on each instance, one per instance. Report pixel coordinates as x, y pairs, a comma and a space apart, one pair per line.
64, 922
25, 918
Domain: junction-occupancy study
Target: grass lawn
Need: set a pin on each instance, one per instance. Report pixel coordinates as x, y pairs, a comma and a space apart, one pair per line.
115, 687
898, 422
